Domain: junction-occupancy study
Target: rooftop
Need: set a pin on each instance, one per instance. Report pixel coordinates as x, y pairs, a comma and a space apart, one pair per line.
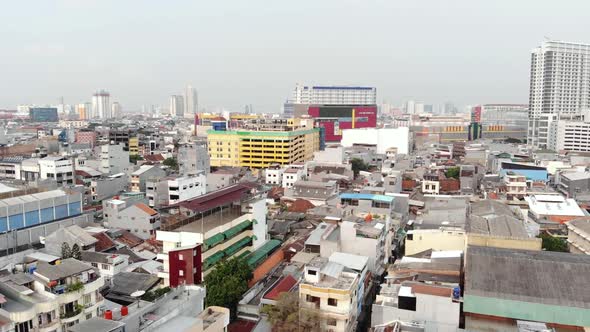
67, 267
96, 324
528, 276
506, 226
372, 197
217, 198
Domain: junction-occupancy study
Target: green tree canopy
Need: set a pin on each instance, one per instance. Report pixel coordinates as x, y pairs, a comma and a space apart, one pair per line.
76, 253
66, 251
171, 162
227, 283
134, 158
358, 165
551, 243
453, 172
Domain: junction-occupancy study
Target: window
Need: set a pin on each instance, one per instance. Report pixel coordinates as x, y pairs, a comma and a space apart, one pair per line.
410, 237
180, 257
94, 265
105, 266
332, 322
87, 299
312, 272
332, 302
181, 273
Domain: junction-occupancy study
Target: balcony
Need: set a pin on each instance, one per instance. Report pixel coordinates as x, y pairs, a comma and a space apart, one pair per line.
71, 315
48, 326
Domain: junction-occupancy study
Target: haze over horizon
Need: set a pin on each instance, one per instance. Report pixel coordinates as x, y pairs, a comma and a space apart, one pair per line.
237, 53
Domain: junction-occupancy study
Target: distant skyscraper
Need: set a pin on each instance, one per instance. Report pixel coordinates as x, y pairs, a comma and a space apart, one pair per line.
419, 108
191, 100
334, 95
176, 106
115, 110
83, 111
559, 87
410, 107
101, 107
428, 108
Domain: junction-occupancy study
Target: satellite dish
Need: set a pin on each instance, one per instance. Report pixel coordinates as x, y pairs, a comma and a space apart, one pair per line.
137, 294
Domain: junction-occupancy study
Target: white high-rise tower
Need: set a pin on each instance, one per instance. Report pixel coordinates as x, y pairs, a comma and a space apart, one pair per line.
559, 87
176, 105
191, 101
101, 107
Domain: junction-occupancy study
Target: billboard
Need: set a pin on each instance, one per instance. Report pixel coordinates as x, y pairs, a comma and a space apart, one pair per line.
338, 117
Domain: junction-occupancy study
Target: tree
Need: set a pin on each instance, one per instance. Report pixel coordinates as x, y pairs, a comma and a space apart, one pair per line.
134, 158
171, 162
512, 140
358, 165
453, 172
76, 252
551, 243
286, 315
66, 252
227, 283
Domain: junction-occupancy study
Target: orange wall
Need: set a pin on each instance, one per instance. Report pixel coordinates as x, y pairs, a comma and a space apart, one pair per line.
272, 261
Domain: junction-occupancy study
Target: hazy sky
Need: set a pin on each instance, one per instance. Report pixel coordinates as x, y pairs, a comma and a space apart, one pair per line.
253, 51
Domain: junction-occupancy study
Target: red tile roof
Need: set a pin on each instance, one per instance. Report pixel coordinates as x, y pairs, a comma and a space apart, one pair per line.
129, 239
154, 157
104, 242
300, 205
216, 198
146, 209
285, 285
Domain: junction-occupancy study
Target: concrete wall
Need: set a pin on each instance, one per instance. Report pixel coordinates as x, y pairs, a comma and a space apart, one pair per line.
434, 239
429, 308
384, 138
503, 242
270, 263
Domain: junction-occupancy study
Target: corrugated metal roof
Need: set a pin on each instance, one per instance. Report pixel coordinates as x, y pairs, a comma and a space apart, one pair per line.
332, 269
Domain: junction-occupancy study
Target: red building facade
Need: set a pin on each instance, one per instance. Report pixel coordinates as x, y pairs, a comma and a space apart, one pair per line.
184, 266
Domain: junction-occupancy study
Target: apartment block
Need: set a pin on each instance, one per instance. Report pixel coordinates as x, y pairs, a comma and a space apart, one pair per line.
330, 289
260, 146
173, 190
228, 222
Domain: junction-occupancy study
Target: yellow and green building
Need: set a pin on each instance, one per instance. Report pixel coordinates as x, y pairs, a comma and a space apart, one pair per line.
260, 149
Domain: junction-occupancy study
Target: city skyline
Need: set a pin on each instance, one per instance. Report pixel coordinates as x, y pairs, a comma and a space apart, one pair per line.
232, 65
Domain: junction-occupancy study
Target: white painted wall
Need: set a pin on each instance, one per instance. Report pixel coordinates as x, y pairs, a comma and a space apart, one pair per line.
384, 138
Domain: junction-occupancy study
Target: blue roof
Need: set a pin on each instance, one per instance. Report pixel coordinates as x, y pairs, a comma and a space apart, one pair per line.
380, 198
343, 88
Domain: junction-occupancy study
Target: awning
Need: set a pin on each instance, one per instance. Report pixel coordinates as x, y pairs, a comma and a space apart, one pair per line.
214, 240
216, 257
237, 246
261, 253
237, 229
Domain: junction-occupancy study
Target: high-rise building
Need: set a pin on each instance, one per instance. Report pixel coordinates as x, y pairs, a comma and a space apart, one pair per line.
101, 107
334, 95
191, 101
410, 107
83, 111
176, 105
115, 110
559, 87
